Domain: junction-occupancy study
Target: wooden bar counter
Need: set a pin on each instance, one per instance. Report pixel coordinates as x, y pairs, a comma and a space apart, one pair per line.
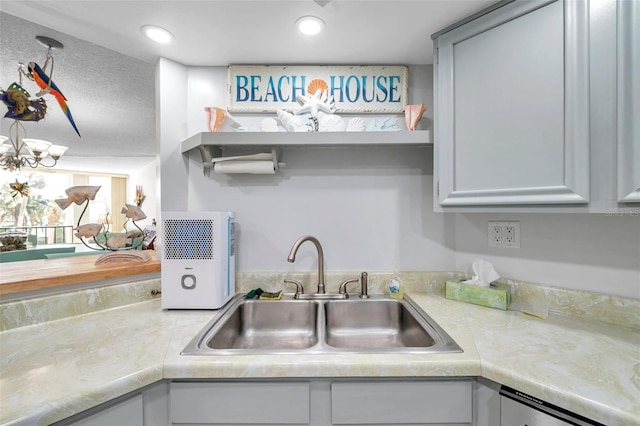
34, 275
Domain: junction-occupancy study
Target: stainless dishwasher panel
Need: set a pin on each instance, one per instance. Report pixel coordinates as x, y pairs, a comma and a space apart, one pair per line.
519, 409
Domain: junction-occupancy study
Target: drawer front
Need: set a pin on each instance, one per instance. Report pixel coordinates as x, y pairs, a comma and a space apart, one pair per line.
239, 403
389, 402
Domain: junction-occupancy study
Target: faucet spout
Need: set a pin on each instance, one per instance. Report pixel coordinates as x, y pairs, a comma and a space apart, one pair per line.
314, 240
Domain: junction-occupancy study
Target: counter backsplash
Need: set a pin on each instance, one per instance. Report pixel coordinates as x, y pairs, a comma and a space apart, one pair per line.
63, 305
538, 298
613, 309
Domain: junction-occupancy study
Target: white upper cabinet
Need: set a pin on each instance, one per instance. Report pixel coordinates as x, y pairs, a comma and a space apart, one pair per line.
628, 101
526, 112
512, 109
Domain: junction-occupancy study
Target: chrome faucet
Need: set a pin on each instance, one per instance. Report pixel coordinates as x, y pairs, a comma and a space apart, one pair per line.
314, 240
364, 282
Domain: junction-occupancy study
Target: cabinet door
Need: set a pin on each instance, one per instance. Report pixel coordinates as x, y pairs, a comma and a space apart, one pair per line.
239, 403
401, 402
128, 412
628, 101
512, 107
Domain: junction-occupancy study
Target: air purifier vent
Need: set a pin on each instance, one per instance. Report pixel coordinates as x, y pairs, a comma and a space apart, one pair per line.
189, 239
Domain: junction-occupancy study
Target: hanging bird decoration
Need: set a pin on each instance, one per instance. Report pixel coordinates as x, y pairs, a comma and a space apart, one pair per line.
19, 188
48, 86
16, 98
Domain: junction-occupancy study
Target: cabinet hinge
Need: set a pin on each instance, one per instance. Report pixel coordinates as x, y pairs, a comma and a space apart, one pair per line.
438, 188
437, 55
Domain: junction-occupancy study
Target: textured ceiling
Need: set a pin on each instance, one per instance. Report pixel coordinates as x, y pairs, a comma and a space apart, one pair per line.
106, 69
223, 32
110, 95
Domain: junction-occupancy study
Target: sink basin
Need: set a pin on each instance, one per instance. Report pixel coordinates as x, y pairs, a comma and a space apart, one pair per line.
264, 325
375, 325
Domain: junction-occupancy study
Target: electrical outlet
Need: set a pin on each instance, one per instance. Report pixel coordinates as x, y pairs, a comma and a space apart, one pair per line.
504, 234
511, 235
495, 235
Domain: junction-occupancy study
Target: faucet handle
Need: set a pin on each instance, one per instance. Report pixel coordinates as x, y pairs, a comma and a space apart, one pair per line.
364, 285
299, 288
343, 286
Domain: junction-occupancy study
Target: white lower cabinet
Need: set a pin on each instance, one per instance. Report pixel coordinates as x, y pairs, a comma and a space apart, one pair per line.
401, 402
317, 402
127, 412
145, 407
323, 402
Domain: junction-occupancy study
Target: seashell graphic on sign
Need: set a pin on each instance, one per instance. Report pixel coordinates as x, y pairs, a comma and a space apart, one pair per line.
317, 85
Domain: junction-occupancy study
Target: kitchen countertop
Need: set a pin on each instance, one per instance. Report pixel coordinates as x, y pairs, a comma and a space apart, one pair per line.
44, 274
52, 370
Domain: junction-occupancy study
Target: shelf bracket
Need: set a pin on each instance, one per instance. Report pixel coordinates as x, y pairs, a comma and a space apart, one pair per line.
207, 153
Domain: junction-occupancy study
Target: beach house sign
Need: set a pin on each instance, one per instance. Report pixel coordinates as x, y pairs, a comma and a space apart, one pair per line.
355, 89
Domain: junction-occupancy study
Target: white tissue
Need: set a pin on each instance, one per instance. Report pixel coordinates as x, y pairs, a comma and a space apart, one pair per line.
484, 274
253, 164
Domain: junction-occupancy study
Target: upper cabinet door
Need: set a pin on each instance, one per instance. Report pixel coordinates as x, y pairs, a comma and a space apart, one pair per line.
628, 53
512, 107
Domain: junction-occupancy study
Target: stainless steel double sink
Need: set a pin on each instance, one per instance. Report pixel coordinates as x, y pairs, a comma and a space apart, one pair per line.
376, 325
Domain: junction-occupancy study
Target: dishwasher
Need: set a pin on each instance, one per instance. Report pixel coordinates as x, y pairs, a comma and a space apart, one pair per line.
519, 409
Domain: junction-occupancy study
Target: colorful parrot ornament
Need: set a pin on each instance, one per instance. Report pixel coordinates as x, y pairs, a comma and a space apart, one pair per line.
42, 80
16, 98
19, 188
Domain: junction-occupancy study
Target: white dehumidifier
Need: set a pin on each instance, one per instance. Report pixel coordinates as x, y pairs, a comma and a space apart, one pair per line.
198, 259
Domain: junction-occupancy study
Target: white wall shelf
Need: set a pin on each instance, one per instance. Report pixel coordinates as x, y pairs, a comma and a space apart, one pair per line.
211, 144
240, 139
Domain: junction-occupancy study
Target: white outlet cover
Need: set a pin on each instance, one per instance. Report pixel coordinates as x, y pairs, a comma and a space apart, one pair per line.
504, 234
511, 234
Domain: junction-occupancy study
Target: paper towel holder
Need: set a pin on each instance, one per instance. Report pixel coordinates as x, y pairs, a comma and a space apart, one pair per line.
209, 153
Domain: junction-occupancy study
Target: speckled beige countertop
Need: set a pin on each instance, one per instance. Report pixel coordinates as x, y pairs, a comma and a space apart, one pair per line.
53, 369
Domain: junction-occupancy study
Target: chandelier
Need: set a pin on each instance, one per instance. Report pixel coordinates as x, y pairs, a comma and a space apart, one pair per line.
17, 151
38, 152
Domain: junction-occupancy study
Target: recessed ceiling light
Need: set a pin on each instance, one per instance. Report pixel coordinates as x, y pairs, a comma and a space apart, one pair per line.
310, 25
157, 34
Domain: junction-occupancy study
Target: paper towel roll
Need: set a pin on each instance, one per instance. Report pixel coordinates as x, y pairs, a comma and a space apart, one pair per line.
260, 167
261, 156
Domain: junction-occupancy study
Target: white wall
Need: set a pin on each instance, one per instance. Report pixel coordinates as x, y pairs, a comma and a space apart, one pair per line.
171, 128
372, 209
369, 208
595, 252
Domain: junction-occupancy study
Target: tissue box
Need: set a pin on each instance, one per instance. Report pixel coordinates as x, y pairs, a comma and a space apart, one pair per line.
497, 296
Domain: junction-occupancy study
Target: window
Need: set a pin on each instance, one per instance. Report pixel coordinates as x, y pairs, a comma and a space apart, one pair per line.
39, 215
